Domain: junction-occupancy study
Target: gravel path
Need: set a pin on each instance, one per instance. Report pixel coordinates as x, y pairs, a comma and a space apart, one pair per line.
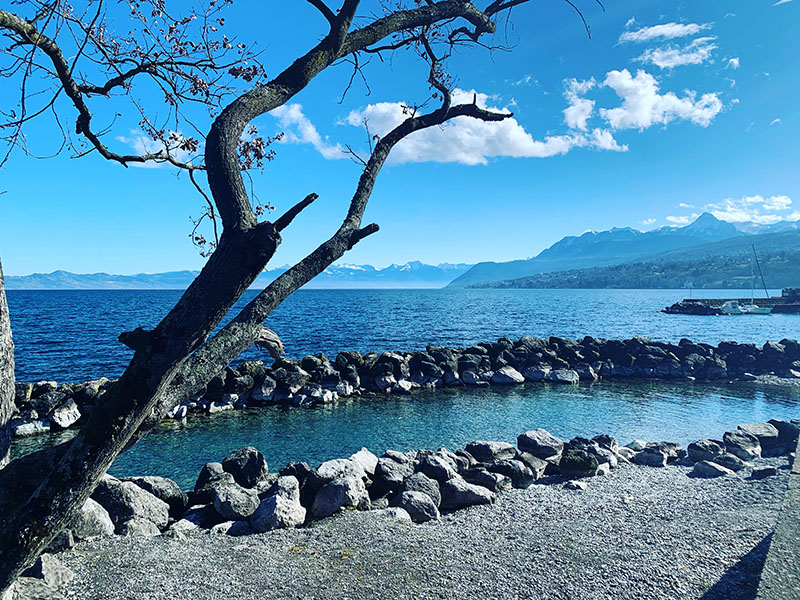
640, 533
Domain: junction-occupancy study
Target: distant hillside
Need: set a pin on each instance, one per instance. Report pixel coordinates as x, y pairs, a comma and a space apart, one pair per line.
410, 275
613, 247
718, 265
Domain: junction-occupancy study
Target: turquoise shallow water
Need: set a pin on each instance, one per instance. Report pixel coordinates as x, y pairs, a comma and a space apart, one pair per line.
679, 412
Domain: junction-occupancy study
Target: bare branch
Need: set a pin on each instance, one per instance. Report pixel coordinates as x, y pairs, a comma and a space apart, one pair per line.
323, 8
285, 220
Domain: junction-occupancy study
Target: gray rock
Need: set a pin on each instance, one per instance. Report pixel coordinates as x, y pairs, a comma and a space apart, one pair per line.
507, 376
730, 461
537, 466
419, 482
263, 391
164, 489
287, 487
65, 416
519, 473
763, 472
47, 402
50, 570
420, 507
566, 376
577, 463
333, 469
705, 450
30, 588
538, 373
435, 467
650, 457
603, 469
575, 485
28, 427
766, 433
788, 433
742, 444
488, 452
247, 465
210, 472
342, 492
470, 378
125, 501
367, 460
540, 443
495, 482
91, 521
706, 468
278, 512
458, 494
626, 453
606, 441
234, 502
139, 528
232, 529
636, 445
394, 513
390, 474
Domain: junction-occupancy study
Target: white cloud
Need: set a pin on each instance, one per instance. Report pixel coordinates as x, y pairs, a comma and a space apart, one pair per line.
779, 2
580, 109
144, 144
471, 141
682, 220
669, 57
754, 209
665, 31
299, 130
526, 80
649, 221
733, 63
775, 122
642, 105
684, 205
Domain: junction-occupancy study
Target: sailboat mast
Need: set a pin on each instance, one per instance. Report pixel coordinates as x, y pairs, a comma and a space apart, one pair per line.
766, 293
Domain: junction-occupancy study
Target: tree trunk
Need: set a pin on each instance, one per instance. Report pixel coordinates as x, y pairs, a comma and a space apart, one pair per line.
6, 373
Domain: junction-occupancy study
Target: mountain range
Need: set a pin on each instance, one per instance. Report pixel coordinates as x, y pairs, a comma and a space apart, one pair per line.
614, 247
572, 261
410, 275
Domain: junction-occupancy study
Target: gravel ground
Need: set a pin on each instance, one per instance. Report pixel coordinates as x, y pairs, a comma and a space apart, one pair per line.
642, 533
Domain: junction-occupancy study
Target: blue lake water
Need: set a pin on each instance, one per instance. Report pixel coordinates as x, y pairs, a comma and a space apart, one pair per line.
71, 336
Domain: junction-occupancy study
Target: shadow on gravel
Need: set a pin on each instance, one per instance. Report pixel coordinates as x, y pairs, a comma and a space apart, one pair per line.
740, 582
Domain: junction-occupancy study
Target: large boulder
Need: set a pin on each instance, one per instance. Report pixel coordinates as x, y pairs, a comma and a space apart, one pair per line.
705, 450
280, 510
567, 376
91, 521
419, 482
367, 460
489, 452
742, 444
234, 502
164, 489
50, 570
334, 469
788, 433
247, 465
458, 494
435, 466
651, 457
139, 528
66, 415
495, 482
125, 501
537, 465
342, 492
767, 435
420, 507
507, 375
521, 476
540, 443
390, 474
730, 461
576, 463
708, 469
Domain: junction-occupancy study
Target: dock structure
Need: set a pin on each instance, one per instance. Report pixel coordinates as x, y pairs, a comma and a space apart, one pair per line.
787, 303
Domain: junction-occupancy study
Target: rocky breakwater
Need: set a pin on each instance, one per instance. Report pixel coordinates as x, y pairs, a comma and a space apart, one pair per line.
240, 496
314, 380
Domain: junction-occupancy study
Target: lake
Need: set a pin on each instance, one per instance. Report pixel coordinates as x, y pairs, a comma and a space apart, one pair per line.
72, 335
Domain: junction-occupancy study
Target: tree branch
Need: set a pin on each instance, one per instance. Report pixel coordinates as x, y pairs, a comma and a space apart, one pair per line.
286, 219
323, 8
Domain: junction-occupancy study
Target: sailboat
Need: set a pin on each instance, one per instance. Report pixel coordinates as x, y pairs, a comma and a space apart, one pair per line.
733, 307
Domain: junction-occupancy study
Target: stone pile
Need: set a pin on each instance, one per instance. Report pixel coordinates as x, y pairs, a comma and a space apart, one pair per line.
315, 380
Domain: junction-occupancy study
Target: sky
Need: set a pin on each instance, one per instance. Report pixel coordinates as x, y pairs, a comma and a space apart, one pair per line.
668, 110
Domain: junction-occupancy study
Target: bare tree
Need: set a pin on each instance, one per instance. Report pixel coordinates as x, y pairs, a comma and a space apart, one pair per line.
192, 62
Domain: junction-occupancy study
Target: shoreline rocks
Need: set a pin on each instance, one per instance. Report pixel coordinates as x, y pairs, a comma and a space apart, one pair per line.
46, 406
239, 496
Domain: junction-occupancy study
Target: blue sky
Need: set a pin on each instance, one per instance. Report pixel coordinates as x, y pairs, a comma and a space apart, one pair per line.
672, 108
